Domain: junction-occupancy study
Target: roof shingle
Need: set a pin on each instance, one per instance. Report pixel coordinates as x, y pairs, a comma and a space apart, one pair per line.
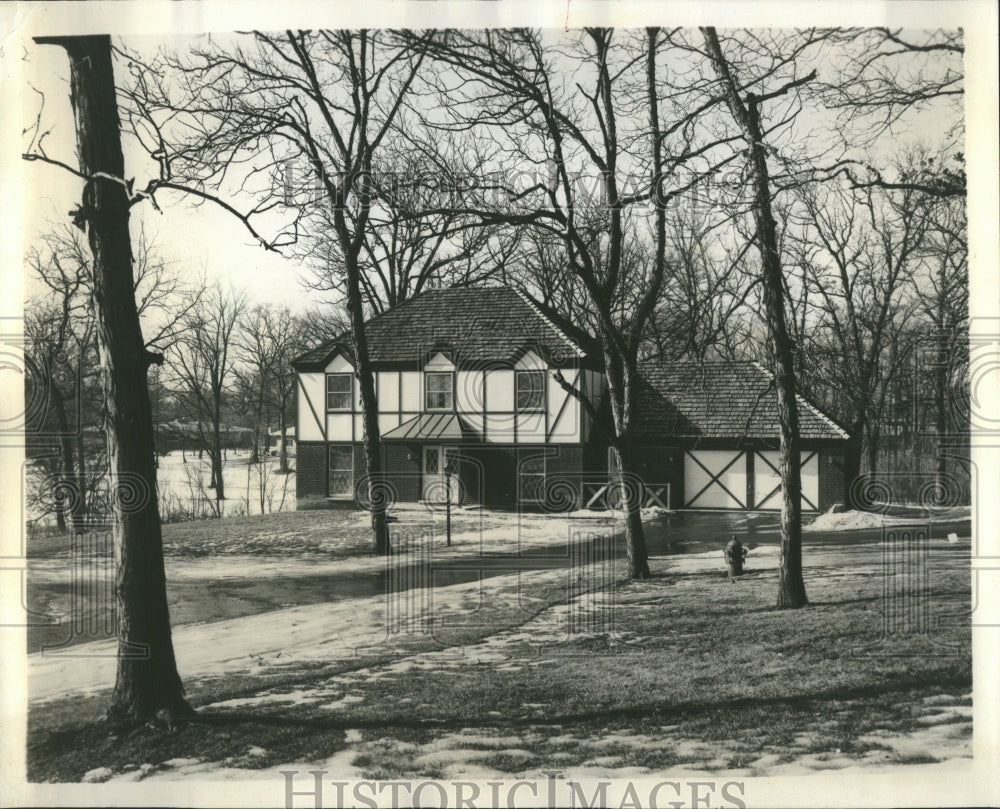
476, 324
717, 400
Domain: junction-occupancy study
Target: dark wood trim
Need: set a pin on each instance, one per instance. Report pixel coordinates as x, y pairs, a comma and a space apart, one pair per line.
559, 415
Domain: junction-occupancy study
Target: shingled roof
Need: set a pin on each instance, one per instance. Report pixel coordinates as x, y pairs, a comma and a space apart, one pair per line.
477, 324
717, 400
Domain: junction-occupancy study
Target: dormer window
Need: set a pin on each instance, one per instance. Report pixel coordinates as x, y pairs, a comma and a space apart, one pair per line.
439, 390
339, 389
529, 390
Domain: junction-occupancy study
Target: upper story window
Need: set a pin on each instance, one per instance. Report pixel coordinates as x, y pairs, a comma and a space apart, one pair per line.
529, 390
439, 391
339, 390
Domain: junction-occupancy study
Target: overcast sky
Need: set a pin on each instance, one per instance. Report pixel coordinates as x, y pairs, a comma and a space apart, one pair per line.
189, 237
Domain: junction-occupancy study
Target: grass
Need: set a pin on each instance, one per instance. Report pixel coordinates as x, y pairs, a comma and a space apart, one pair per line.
708, 674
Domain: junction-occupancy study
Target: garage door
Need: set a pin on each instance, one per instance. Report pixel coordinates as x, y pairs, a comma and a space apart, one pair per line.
767, 480
715, 479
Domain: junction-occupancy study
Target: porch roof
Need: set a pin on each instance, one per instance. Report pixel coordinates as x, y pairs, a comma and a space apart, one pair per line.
434, 426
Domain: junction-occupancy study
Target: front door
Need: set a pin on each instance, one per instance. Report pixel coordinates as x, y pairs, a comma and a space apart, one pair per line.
437, 483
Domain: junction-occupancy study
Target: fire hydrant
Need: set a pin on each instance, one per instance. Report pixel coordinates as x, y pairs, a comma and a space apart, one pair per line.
735, 555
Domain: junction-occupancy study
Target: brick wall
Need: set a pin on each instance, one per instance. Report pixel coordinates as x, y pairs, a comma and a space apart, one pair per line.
566, 462
310, 475
831, 478
402, 471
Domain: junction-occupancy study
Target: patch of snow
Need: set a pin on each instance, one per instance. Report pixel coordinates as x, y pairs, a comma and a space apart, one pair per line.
857, 520
97, 776
314, 632
181, 762
291, 697
343, 702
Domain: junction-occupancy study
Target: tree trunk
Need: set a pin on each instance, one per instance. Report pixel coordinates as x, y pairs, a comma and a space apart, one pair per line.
636, 554
852, 467
369, 405
68, 516
791, 587
872, 448
215, 458
255, 446
147, 684
941, 415
629, 482
282, 447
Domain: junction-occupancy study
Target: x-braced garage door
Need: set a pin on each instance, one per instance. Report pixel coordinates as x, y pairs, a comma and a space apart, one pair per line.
717, 478
767, 480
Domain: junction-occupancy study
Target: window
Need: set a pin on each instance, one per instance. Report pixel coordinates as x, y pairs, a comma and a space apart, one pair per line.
438, 391
339, 389
529, 389
341, 471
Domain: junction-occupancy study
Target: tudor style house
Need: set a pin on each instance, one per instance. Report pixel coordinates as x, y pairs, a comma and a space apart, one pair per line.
480, 400
468, 398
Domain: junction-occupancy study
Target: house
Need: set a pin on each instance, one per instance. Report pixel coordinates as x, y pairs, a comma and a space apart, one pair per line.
481, 399
274, 442
465, 378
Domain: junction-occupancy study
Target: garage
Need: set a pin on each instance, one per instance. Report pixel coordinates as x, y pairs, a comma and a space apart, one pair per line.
718, 424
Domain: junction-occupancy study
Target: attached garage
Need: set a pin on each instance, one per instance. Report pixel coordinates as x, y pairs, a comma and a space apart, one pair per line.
720, 421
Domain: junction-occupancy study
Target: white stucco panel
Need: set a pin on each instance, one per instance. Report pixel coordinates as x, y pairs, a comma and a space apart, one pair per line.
311, 406
339, 365
564, 408
411, 390
338, 426
469, 391
530, 362
387, 391
439, 362
499, 391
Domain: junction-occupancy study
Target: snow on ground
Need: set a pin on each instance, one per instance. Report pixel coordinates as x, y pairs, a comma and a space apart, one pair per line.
293, 634
419, 536
855, 520
182, 482
942, 744
258, 642
182, 487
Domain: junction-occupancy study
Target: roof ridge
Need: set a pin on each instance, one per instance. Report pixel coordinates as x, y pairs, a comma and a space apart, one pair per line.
566, 338
815, 410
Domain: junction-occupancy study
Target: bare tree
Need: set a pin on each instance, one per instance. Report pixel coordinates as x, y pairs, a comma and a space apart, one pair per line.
941, 287
270, 338
884, 77
61, 330
253, 373
702, 311
202, 364
324, 101
60, 322
859, 250
147, 686
408, 248
745, 106
287, 337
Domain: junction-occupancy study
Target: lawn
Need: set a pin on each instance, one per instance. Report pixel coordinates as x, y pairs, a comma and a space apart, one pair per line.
684, 673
